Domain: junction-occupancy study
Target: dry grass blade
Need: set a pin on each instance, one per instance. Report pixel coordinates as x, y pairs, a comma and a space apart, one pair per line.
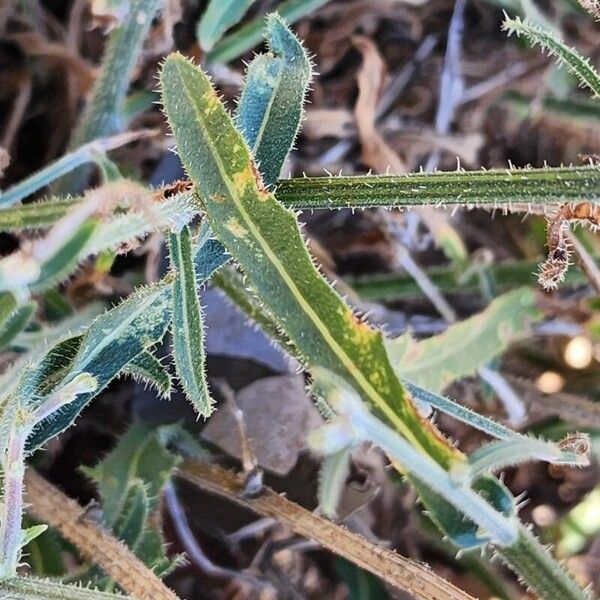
50, 505
394, 569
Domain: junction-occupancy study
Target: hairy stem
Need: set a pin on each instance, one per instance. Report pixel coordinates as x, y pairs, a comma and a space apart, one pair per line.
50, 505
497, 188
539, 571
394, 569
11, 535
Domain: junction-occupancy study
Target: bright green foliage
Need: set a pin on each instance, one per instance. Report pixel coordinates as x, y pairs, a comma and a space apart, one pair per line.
35, 214
265, 239
111, 342
188, 327
270, 108
494, 188
66, 258
577, 64
218, 17
251, 34
28, 588
437, 361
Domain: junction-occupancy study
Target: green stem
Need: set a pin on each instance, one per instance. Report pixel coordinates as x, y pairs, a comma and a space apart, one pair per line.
11, 536
539, 570
103, 114
497, 188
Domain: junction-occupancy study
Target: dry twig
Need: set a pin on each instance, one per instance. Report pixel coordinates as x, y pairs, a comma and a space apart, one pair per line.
50, 505
394, 569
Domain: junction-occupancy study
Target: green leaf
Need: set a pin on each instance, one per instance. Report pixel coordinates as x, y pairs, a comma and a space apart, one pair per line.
103, 112
250, 34
505, 453
66, 258
111, 342
147, 368
332, 478
130, 525
271, 104
188, 327
218, 17
12, 322
435, 362
265, 239
29, 588
138, 456
361, 584
31, 533
577, 64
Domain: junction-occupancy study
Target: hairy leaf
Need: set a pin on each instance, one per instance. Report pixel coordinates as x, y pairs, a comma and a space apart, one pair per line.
271, 105
13, 321
493, 188
264, 237
147, 368
437, 361
138, 456
112, 341
188, 326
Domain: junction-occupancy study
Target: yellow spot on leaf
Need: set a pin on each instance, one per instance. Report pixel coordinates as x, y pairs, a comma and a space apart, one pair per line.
234, 226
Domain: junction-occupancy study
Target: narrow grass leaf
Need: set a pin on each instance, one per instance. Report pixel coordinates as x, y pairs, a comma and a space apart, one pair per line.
188, 327
249, 35
217, 18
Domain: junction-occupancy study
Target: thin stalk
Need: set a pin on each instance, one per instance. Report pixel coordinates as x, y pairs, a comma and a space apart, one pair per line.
394, 569
103, 113
11, 536
499, 188
89, 152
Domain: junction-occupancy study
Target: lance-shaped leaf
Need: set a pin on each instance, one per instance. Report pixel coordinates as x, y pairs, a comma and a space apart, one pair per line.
188, 326
265, 239
271, 105
437, 361
28, 588
218, 17
112, 341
